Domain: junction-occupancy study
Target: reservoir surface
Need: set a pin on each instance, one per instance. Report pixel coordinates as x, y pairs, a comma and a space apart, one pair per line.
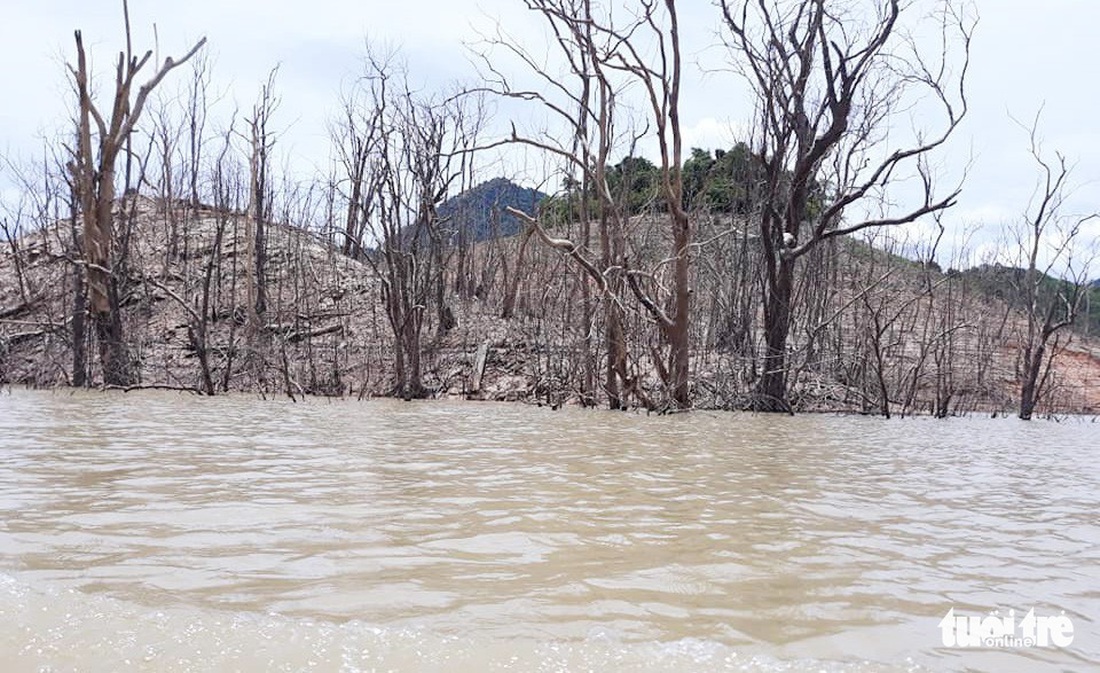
156, 531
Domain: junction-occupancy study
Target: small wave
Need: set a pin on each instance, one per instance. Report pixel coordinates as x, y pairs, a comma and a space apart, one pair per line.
64, 629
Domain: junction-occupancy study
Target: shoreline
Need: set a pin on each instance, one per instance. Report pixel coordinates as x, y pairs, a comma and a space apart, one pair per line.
473, 401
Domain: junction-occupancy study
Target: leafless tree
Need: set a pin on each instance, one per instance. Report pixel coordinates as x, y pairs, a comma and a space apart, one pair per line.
100, 139
354, 136
261, 139
13, 224
603, 55
1055, 272
164, 136
417, 155
200, 310
583, 101
830, 79
197, 104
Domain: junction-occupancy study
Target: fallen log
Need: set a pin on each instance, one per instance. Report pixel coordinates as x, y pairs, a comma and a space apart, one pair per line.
16, 310
20, 337
295, 337
154, 386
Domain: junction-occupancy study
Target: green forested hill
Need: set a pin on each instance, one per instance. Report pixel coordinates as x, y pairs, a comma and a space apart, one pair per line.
1007, 284
479, 214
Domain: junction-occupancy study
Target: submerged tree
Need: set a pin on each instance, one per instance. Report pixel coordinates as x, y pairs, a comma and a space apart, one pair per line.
1050, 244
605, 55
412, 153
99, 142
831, 83
583, 101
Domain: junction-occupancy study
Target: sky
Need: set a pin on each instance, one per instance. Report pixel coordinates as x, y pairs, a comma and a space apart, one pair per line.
1026, 57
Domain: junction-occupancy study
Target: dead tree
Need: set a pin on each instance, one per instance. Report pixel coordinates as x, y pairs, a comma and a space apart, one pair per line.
418, 156
195, 117
354, 137
201, 310
511, 280
829, 80
1050, 243
602, 56
100, 139
661, 83
229, 194
164, 136
13, 227
79, 377
586, 107
261, 140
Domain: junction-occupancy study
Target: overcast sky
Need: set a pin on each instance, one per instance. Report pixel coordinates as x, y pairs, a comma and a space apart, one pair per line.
1026, 55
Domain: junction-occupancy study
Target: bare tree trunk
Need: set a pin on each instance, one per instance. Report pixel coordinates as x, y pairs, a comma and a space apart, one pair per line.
583, 32
508, 307
415, 148
678, 330
198, 332
588, 316
94, 179
196, 122
824, 95
1045, 225
79, 330
771, 389
1034, 359
260, 144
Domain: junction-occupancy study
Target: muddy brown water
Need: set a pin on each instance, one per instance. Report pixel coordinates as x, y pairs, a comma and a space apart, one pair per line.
164, 532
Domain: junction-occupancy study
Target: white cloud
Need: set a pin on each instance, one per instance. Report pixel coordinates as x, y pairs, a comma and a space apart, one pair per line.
711, 133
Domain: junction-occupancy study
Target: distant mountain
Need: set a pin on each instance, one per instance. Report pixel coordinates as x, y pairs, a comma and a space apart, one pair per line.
478, 214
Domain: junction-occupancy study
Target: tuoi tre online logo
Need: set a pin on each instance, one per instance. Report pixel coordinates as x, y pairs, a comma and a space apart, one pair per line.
994, 630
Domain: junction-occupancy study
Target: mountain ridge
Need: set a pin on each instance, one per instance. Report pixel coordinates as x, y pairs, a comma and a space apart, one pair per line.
480, 213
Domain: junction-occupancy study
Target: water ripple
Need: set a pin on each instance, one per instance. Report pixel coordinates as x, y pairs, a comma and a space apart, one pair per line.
762, 543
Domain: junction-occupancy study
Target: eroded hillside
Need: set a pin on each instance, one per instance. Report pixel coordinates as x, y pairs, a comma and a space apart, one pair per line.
877, 333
